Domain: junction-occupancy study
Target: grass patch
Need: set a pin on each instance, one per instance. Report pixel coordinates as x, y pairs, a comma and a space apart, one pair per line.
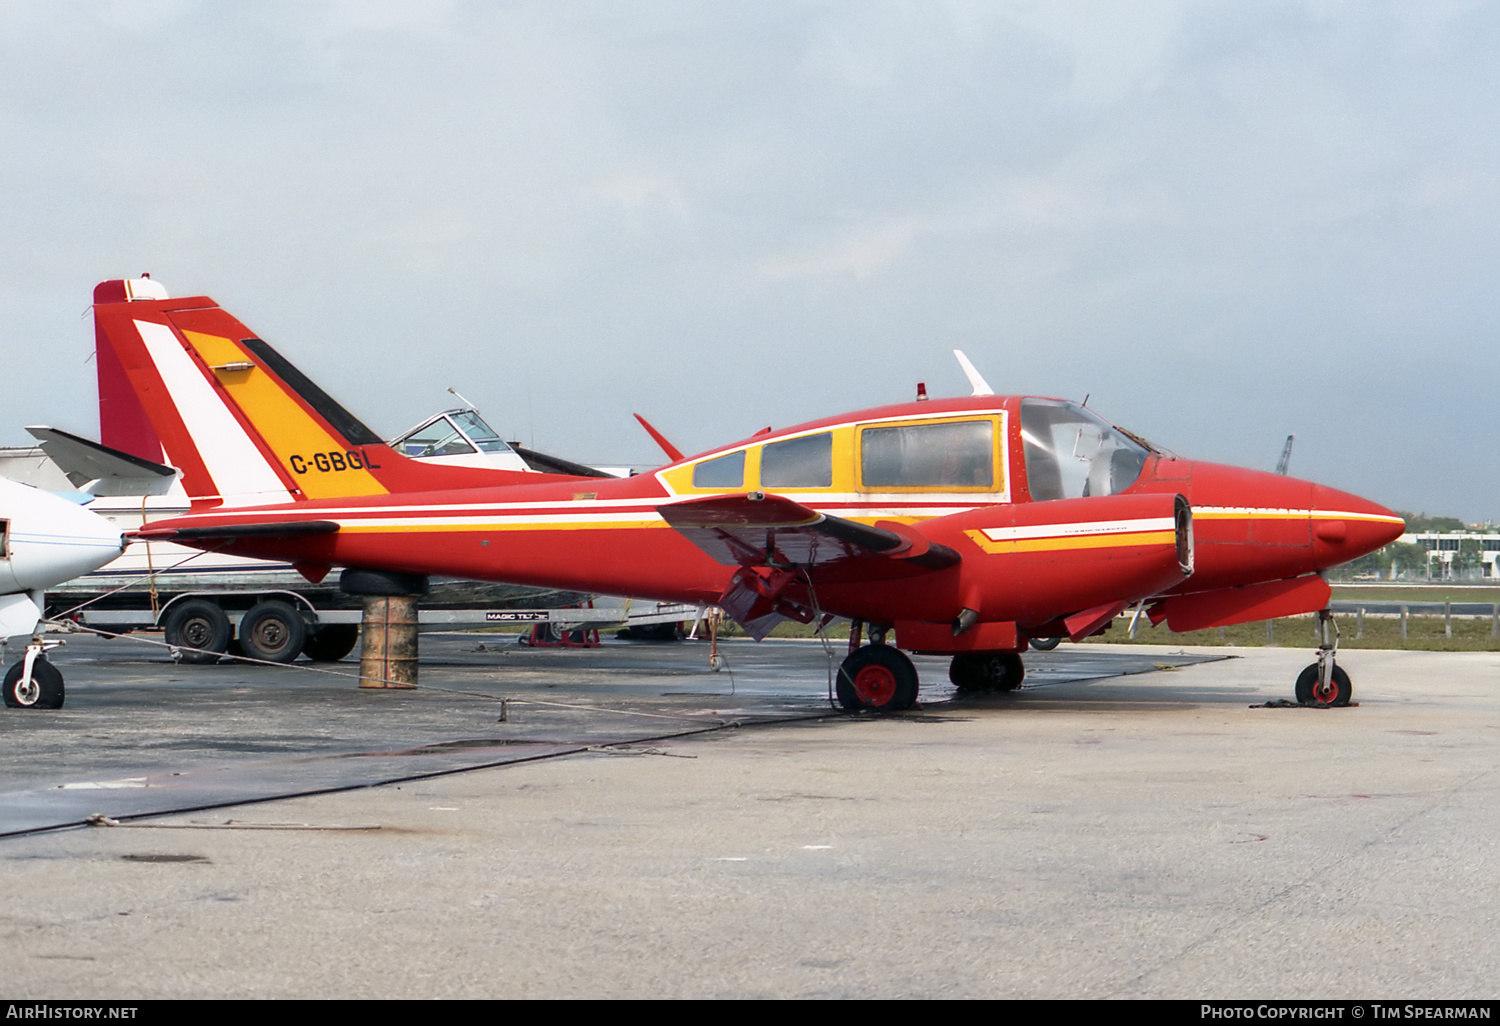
1440, 592
1423, 634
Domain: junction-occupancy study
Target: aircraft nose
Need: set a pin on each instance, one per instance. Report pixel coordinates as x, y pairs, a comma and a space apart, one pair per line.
70, 542
1345, 526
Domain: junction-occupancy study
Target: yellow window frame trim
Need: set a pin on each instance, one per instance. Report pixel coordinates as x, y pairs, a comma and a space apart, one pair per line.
997, 461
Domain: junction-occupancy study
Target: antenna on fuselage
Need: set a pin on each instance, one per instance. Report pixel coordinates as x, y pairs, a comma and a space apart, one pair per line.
463, 400
980, 386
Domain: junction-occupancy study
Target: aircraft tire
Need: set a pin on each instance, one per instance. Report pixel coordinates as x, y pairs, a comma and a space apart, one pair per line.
879, 678
201, 625
966, 671
272, 631
987, 671
1045, 644
1307, 683
331, 642
652, 632
1007, 670
381, 583
46, 679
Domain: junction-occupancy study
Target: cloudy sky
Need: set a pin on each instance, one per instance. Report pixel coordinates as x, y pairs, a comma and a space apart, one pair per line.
1225, 221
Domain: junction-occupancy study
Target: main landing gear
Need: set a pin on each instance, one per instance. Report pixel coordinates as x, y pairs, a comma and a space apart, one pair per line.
33, 682
880, 677
877, 676
1325, 683
987, 671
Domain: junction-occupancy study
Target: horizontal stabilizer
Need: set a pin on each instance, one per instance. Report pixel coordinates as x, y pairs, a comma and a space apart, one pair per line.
99, 469
282, 529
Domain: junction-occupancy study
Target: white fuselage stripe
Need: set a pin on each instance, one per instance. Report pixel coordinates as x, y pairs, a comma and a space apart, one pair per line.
1273, 511
1095, 527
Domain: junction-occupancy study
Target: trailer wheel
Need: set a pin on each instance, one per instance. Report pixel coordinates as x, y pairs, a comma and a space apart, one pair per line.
199, 629
331, 642
272, 631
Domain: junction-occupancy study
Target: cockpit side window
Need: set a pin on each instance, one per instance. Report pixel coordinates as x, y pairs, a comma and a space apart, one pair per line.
4, 539
959, 454
480, 432
805, 462
721, 472
1072, 454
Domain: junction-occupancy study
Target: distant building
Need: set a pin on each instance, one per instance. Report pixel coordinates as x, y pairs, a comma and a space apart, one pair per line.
1443, 548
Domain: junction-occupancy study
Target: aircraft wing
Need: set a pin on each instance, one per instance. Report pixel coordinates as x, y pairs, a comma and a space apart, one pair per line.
756, 529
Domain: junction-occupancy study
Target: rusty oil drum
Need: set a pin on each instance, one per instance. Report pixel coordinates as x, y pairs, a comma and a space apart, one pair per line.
388, 642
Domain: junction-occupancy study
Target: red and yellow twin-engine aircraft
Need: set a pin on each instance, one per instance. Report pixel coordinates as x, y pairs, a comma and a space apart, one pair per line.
964, 527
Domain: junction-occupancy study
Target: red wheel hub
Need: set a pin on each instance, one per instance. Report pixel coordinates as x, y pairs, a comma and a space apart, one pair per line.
875, 685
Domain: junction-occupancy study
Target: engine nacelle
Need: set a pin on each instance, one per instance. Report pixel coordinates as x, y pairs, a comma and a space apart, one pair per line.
1035, 563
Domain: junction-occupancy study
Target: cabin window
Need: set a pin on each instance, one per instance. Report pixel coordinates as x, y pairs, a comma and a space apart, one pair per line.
805, 462
440, 438
956, 455
1072, 454
721, 472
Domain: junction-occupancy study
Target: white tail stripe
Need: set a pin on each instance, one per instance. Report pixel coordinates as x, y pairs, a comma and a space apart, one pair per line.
240, 472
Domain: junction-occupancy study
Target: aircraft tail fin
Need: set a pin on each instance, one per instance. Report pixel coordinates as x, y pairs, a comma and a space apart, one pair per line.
182, 381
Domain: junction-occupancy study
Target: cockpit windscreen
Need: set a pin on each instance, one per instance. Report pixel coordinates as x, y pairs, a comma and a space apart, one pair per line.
1072, 454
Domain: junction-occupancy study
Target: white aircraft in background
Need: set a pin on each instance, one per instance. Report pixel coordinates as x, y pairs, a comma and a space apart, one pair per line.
44, 540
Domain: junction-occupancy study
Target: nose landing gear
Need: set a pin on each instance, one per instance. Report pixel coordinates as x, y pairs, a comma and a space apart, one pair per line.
1324, 683
33, 682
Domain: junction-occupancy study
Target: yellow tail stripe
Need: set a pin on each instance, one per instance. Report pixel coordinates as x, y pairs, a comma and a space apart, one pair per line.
303, 449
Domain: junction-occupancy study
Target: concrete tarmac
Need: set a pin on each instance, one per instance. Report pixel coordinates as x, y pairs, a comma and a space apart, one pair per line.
1142, 836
